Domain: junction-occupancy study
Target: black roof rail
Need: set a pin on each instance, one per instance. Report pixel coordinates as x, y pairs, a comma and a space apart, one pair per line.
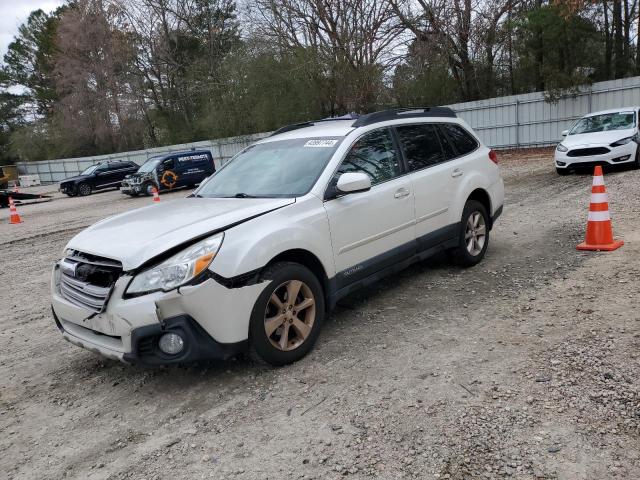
296, 126
398, 113
288, 128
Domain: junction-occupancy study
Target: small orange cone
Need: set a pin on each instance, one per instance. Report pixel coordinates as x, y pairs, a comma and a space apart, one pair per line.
156, 197
599, 232
14, 217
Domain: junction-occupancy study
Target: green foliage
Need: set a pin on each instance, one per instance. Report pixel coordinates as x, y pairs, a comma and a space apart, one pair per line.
423, 79
570, 47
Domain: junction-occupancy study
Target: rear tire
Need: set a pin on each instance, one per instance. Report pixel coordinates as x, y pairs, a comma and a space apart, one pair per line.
562, 171
473, 237
83, 189
282, 330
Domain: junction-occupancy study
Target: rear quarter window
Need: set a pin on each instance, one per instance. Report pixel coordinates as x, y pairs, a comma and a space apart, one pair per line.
461, 140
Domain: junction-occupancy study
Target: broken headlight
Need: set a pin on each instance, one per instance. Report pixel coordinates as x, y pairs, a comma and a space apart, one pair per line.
178, 269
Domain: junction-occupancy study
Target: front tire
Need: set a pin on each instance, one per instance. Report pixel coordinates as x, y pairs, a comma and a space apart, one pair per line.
473, 237
287, 316
147, 188
84, 189
562, 171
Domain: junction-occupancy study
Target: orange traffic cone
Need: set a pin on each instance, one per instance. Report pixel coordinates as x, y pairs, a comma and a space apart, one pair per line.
13, 217
599, 232
156, 197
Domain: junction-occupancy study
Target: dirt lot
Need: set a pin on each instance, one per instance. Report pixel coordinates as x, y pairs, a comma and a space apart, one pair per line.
526, 366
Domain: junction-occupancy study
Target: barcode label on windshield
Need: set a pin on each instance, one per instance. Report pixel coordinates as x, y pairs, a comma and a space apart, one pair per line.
321, 143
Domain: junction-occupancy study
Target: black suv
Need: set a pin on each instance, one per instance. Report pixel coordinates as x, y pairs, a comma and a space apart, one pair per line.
99, 176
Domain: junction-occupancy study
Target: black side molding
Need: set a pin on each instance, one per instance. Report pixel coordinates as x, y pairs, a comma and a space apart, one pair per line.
495, 216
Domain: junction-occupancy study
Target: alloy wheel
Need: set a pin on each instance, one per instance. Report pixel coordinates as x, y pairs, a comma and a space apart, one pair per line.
475, 233
290, 315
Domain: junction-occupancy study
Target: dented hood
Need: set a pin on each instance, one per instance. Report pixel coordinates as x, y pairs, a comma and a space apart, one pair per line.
139, 235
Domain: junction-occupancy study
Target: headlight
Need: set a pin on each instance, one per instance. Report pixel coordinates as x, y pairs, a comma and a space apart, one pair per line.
178, 269
623, 141
561, 148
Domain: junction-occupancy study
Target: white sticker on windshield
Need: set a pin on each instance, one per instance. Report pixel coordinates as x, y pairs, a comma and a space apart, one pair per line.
321, 143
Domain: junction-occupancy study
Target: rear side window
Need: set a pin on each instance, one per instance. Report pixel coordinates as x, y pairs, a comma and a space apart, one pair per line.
462, 140
421, 145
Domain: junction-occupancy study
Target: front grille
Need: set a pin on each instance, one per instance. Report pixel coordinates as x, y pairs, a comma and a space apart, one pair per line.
587, 152
86, 280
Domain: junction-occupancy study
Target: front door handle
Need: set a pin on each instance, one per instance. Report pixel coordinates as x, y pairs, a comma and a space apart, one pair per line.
401, 192
456, 173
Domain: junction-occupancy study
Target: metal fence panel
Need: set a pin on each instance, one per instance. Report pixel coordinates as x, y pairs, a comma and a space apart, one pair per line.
527, 120
516, 121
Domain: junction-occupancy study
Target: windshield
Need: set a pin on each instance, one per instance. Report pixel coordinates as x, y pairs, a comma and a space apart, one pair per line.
150, 165
604, 122
89, 170
285, 168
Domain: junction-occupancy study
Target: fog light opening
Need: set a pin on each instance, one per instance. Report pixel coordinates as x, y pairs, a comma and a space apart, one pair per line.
622, 159
171, 343
560, 164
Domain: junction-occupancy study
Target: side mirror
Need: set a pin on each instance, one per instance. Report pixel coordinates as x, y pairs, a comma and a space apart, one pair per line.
352, 182
564, 133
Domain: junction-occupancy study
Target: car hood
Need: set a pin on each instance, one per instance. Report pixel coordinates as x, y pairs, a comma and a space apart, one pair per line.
597, 138
139, 235
77, 178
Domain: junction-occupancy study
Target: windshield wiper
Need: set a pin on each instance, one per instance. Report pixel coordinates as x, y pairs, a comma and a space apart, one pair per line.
242, 195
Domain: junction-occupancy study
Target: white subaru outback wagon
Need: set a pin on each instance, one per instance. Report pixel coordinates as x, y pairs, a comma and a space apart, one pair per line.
259, 253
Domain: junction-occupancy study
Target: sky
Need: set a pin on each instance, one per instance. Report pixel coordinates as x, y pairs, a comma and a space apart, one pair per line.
15, 12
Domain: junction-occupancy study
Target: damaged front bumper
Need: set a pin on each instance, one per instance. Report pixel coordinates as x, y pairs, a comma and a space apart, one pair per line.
211, 319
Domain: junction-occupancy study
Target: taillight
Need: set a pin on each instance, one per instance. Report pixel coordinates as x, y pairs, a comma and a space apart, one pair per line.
493, 156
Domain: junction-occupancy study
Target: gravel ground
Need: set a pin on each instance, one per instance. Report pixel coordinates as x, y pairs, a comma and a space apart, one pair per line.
525, 366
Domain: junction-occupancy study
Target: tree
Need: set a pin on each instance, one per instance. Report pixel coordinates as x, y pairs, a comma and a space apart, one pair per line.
350, 41
571, 44
29, 60
92, 79
181, 45
463, 32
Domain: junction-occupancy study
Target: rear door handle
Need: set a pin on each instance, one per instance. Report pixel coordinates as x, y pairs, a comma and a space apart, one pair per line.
456, 173
401, 192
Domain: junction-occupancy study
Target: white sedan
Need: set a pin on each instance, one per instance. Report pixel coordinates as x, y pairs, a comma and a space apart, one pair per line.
608, 137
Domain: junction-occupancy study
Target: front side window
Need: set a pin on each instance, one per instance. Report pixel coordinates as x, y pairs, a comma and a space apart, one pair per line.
282, 168
604, 123
421, 145
374, 154
150, 165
